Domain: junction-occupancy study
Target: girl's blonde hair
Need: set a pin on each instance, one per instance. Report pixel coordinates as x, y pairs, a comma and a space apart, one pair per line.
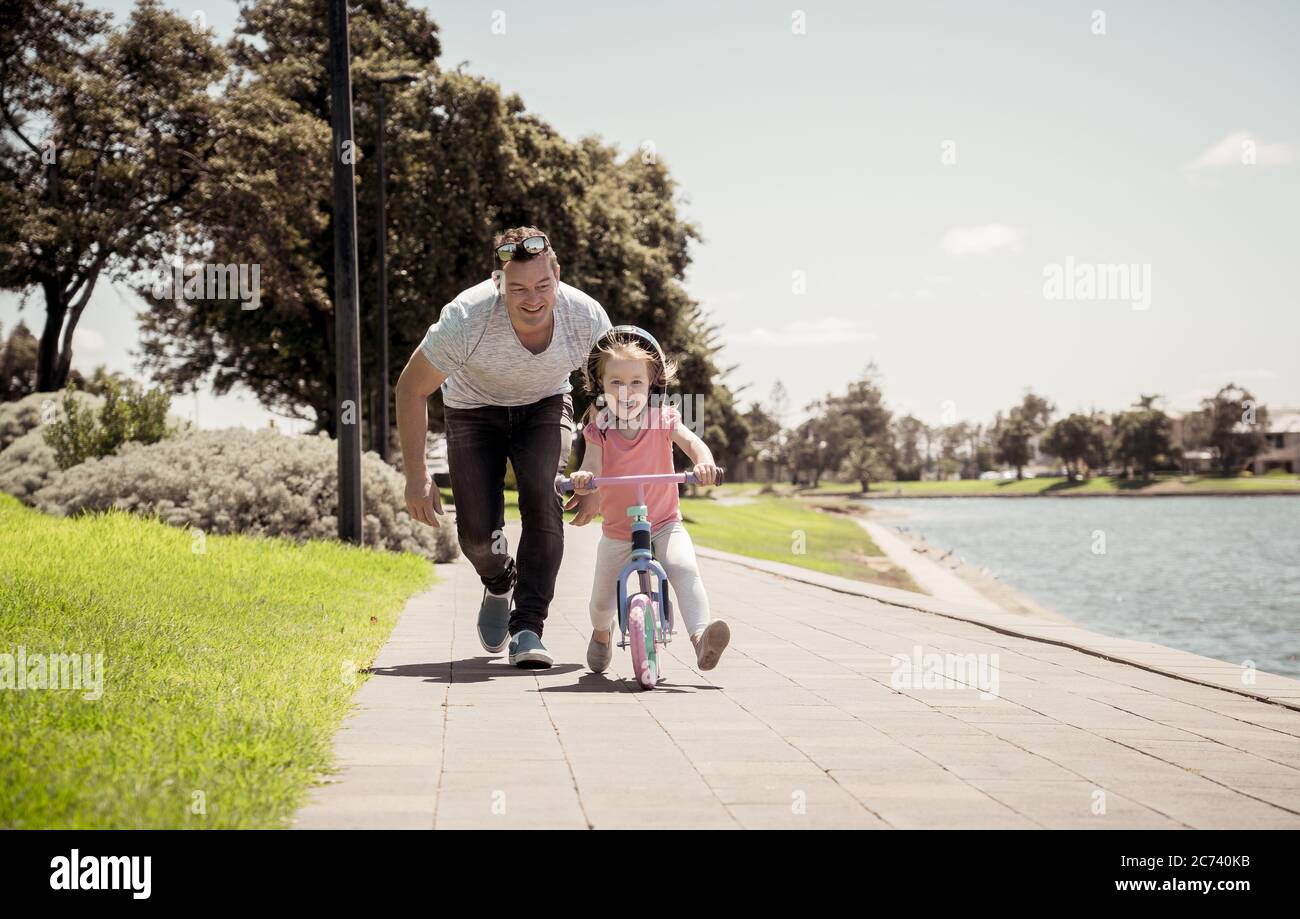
629, 347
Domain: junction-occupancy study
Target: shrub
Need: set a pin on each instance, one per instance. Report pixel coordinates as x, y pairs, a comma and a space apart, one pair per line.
242, 481
128, 413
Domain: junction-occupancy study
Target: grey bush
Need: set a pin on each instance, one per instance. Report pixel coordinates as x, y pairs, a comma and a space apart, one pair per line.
18, 418
241, 481
27, 465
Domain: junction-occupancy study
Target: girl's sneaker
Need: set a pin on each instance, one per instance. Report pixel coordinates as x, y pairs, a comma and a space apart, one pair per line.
600, 653
713, 641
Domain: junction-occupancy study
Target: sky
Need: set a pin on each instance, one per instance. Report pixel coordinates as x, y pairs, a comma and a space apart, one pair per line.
897, 183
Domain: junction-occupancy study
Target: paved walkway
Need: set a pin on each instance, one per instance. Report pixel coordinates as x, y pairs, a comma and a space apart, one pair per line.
807, 722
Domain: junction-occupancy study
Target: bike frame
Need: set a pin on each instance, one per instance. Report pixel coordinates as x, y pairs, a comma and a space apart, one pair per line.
643, 563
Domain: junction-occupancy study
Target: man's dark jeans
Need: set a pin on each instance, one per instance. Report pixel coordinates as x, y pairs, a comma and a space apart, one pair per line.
536, 439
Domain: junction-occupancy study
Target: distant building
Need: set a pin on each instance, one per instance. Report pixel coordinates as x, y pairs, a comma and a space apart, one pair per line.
763, 463
1281, 443
1198, 462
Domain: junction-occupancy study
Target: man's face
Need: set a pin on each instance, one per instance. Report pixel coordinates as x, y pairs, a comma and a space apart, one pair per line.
530, 292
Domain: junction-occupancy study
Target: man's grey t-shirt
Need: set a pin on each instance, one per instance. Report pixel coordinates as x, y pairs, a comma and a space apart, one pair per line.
475, 344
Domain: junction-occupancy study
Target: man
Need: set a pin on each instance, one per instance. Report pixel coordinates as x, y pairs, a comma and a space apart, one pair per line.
502, 352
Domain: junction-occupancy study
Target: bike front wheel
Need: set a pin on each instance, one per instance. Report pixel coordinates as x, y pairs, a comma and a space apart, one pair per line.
641, 636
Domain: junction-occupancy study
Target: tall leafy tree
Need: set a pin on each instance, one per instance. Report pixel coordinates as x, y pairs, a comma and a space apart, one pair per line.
1012, 435
840, 423
909, 431
1142, 435
269, 203
1079, 440
464, 161
1237, 425
106, 134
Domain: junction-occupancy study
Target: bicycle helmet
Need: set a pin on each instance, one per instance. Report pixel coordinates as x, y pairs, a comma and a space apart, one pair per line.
590, 378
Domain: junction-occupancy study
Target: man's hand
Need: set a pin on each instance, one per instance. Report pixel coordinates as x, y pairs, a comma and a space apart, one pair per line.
423, 502
588, 507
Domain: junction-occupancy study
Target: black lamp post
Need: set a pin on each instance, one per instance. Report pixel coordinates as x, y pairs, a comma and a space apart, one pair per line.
379, 431
347, 335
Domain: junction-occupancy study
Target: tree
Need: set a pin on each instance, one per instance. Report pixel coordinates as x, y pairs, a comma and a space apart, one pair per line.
1011, 440
821, 442
953, 455
864, 463
980, 450
762, 426
106, 134
18, 364
763, 442
1142, 435
1036, 411
278, 95
767, 440
908, 460
1079, 441
1237, 426
778, 403
1012, 435
836, 421
865, 403
464, 161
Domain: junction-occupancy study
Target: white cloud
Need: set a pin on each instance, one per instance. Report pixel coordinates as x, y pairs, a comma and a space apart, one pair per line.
802, 333
1240, 148
84, 339
725, 298
984, 240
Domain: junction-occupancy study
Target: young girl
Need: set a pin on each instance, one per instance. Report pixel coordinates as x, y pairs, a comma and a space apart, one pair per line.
629, 433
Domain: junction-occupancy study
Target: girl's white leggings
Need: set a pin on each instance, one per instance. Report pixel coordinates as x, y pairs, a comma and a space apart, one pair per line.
675, 551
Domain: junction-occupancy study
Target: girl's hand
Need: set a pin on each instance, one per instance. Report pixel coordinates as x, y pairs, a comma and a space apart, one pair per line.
706, 473
581, 482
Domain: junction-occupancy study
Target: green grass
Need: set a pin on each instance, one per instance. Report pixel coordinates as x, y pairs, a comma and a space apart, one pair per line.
834, 543
767, 528
511, 500
1048, 485
225, 674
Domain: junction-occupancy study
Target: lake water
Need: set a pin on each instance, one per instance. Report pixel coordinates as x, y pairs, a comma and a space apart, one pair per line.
1215, 576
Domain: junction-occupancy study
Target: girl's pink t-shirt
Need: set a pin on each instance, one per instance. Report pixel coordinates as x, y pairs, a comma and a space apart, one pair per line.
650, 452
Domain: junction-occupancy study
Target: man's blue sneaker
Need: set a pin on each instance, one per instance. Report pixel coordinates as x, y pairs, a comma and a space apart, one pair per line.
526, 651
494, 621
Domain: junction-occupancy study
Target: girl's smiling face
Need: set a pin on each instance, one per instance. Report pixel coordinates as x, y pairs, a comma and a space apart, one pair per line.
626, 382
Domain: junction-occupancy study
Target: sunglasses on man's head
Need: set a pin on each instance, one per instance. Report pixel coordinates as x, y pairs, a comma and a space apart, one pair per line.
533, 245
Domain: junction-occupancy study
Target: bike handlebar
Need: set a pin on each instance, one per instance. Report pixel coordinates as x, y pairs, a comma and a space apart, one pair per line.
563, 485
